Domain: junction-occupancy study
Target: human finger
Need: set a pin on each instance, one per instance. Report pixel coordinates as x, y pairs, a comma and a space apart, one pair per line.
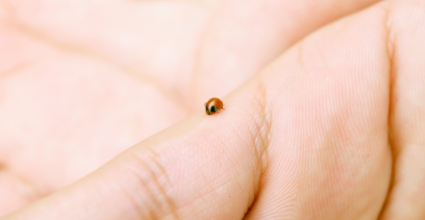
243, 36
407, 115
329, 153
205, 167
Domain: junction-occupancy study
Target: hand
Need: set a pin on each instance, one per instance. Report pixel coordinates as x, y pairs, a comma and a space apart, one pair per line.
330, 125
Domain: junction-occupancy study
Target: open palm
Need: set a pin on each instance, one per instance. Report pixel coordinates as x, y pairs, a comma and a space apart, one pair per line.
306, 138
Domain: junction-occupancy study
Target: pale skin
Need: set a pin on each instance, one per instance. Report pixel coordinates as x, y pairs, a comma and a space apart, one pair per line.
324, 116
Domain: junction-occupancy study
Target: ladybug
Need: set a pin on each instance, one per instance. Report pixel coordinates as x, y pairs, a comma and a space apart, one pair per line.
213, 106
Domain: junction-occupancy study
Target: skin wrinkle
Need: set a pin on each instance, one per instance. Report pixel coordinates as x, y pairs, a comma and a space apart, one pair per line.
98, 191
258, 152
263, 135
209, 185
264, 126
205, 210
195, 170
158, 165
390, 42
205, 178
169, 205
201, 196
141, 211
257, 165
214, 190
255, 137
207, 193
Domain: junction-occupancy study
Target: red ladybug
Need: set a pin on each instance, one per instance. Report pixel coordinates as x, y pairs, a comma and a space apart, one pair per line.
213, 106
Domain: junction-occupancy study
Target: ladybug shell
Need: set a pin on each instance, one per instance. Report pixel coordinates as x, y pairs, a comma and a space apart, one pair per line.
213, 106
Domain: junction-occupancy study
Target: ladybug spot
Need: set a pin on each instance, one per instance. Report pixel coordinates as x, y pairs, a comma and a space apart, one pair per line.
213, 109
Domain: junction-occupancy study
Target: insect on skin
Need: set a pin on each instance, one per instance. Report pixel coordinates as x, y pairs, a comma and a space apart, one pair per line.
213, 106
